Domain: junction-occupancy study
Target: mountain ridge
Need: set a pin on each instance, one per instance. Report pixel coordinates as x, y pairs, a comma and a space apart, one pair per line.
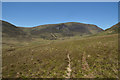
49, 31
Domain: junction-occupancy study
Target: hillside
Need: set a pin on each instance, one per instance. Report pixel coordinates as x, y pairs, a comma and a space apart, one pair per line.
10, 30
65, 29
114, 29
50, 31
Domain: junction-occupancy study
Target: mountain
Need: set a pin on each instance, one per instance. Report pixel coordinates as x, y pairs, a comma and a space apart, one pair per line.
50, 31
114, 29
65, 29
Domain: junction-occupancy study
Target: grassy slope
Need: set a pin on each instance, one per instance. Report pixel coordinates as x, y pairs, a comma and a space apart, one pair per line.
96, 55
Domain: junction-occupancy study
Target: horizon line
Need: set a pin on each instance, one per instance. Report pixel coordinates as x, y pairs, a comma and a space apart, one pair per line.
53, 24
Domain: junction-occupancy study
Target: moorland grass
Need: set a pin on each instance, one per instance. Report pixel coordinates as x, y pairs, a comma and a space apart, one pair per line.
48, 58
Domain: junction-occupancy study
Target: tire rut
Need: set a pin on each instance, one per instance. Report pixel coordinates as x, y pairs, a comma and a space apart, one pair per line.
68, 72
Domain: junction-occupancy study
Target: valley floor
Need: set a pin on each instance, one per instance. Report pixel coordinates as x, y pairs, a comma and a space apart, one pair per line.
89, 57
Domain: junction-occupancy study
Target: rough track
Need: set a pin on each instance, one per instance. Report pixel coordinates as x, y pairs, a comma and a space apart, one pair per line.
68, 72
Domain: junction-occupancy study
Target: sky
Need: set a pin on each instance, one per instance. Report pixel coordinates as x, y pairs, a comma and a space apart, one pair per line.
31, 14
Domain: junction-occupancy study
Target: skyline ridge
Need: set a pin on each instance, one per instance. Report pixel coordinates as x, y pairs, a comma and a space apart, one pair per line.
55, 24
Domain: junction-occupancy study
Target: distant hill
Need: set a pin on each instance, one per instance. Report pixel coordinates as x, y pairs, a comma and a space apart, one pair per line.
65, 29
114, 29
50, 31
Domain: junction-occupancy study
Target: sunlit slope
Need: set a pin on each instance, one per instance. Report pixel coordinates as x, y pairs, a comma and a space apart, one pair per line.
114, 29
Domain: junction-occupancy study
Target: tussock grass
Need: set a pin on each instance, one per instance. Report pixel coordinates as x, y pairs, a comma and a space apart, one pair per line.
48, 58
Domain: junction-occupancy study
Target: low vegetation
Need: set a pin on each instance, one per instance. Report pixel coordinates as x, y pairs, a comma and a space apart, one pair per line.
90, 57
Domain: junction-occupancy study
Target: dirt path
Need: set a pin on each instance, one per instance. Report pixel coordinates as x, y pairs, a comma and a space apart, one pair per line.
86, 68
68, 72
